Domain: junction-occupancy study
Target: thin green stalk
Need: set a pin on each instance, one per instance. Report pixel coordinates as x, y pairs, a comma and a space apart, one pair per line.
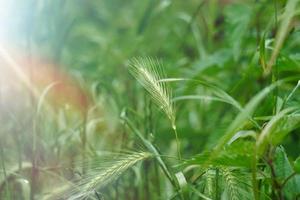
148, 72
177, 142
217, 184
2, 151
147, 121
276, 13
156, 165
117, 189
19, 148
283, 30
84, 141
275, 72
212, 9
291, 94
34, 124
4, 171
152, 149
254, 175
157, 179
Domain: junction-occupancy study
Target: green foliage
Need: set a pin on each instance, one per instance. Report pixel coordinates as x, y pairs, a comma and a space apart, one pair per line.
82, 82
102, 173
148, 71
238, 154
297, 165
283, 170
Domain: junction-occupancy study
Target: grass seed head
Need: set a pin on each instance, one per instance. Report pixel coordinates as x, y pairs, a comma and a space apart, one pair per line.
149, 73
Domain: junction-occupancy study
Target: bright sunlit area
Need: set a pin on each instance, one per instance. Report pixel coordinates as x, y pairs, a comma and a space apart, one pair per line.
149, 99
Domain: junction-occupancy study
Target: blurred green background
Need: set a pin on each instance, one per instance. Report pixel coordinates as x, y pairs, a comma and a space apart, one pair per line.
222, 42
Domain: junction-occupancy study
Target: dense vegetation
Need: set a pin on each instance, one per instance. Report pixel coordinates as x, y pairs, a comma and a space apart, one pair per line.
150, 99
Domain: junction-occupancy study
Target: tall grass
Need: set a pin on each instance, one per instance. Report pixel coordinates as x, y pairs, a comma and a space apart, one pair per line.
148, 72
102, 173
228, 91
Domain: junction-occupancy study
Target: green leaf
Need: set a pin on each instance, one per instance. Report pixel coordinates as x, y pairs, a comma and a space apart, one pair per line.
283, 170
297, 165
268, 130
242, 117
238, 154
286, 125
262, 52
182, 183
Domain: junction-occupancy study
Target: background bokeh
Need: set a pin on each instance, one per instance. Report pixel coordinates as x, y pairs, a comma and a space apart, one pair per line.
65, 83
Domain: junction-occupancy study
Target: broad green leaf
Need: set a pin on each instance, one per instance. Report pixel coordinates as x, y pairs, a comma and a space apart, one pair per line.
297, 165
242, 117
182, 183
268, 130
283, 170
237, 154
285, 126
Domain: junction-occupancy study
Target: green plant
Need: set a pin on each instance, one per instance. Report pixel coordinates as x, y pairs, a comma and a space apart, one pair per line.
153, 99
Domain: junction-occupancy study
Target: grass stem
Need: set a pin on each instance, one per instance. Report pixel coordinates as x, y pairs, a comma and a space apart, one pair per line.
177, 143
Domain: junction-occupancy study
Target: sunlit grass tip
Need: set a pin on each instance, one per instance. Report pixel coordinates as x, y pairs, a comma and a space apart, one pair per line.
149, 72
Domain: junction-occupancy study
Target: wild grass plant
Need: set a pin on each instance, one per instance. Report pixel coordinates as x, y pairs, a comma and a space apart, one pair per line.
147, 100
